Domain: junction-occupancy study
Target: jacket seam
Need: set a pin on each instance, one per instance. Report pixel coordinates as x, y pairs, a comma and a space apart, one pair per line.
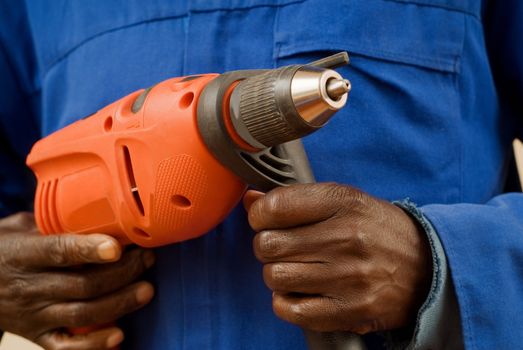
214, 9
440, 6
75, 47
460, 111
446, 65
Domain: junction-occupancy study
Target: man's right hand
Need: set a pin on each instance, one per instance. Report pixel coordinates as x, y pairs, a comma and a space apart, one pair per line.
50, 283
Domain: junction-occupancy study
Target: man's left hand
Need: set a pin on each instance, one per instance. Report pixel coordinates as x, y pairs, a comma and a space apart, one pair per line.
339, 259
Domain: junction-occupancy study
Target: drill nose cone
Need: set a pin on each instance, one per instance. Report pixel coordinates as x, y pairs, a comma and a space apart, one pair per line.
336, 88
318, 94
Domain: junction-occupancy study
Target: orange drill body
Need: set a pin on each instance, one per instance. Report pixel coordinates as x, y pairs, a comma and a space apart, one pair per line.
143, 176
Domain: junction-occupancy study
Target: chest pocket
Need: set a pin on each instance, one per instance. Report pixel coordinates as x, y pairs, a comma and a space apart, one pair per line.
403, 118
399, 31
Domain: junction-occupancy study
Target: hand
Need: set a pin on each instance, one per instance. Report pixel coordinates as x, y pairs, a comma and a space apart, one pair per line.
50, 283
338, 259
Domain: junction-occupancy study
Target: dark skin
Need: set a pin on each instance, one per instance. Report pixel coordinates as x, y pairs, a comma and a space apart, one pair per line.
48, 284
338, 259
335, 257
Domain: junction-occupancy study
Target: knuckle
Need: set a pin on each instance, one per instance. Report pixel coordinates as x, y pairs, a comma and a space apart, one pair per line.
335, 191
357, 199
77, 315
86, 286
360, 240
17, 289
21, 221
58, 249
368, 304
280, 274
274, 203
267, 245
14, 254
24, 219
365, 276
275, 276
272, 209
299, 315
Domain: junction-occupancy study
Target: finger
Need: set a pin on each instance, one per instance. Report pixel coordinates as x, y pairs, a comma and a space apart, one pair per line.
22, 221
68, 250
250, 197
101, 339
98, 311
94, 281
310, 312
312, 278
300, 204
291, 245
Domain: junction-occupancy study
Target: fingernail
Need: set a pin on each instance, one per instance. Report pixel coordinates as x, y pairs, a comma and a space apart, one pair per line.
148, 258
250, 197
114, 339
107, 250
144, 293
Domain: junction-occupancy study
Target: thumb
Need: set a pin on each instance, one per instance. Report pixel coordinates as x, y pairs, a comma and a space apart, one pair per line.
250, 197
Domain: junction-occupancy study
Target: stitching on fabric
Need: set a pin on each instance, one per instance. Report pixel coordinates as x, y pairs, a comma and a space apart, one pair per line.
439, 6
246, 7
443, 64
186, 28
157, 19
275, 48
457, 92
86, 40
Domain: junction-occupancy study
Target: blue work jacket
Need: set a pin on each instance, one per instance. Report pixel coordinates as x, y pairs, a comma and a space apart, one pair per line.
436, 102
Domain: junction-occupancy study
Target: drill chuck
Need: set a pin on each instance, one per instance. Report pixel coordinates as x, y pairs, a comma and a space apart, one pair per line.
286, 104
252, 121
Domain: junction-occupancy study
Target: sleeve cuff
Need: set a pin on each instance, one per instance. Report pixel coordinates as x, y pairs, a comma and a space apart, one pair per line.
438, 321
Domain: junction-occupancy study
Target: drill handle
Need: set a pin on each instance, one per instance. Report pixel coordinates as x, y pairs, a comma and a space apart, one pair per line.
295, 153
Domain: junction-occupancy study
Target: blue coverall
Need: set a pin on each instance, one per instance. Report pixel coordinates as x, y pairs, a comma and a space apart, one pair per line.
437, 99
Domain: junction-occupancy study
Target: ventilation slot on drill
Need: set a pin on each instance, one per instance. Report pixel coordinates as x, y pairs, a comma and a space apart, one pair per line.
132, 180
48, 212
273, 167
275, 163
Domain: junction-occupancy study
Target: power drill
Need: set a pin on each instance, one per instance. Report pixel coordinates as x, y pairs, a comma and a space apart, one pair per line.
169, 163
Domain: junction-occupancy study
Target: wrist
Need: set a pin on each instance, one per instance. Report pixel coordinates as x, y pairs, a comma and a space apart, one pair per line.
422, 269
